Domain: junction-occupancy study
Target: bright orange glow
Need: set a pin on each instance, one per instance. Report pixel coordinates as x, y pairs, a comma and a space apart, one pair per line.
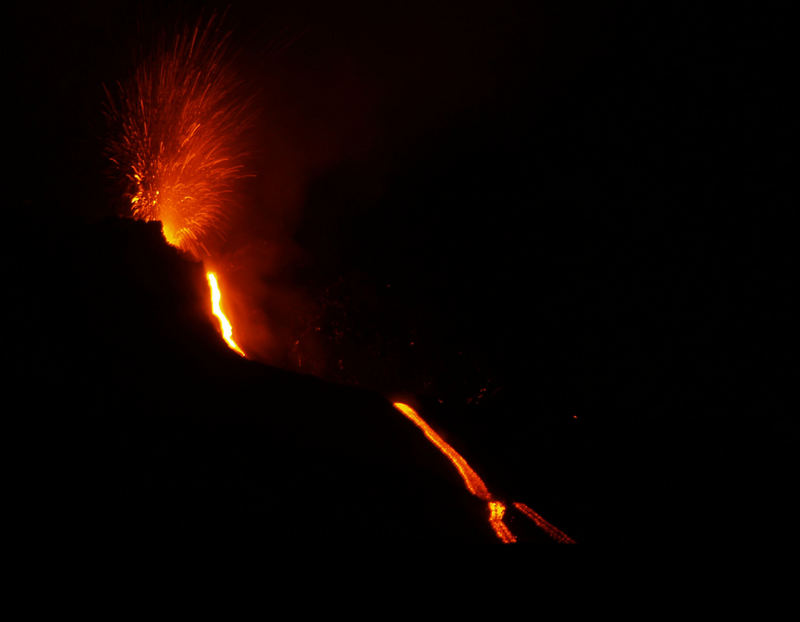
551, 530
496, 512
224, 325
177, 128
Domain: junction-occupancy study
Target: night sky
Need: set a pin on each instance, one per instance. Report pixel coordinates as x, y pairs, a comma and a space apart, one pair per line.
564, 230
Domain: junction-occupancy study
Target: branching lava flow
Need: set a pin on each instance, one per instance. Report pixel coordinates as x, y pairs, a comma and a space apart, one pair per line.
477, 487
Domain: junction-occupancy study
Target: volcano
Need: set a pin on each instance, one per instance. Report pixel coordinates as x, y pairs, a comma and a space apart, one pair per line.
153, 426
566, 230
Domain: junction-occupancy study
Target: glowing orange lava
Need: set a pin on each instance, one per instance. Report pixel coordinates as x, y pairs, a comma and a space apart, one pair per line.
496, 512
473, 482
551, 530
224, 325
477, 487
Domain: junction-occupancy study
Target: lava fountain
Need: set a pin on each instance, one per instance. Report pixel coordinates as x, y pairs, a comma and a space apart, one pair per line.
178, 129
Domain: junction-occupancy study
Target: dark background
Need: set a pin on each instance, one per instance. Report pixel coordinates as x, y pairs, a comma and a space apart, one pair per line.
562, 229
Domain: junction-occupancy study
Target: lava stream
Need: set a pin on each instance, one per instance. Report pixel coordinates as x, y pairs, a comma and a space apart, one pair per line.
477, 487
224, 325
551, 530
497, 510
473, 482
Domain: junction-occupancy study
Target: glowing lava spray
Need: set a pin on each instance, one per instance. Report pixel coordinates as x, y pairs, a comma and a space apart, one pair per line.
178, 127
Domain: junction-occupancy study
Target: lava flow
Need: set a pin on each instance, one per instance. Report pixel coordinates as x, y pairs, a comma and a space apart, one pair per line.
224, 325
477, 487
551, 530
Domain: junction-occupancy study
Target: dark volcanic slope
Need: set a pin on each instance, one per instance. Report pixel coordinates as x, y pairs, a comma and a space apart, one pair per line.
144, 422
